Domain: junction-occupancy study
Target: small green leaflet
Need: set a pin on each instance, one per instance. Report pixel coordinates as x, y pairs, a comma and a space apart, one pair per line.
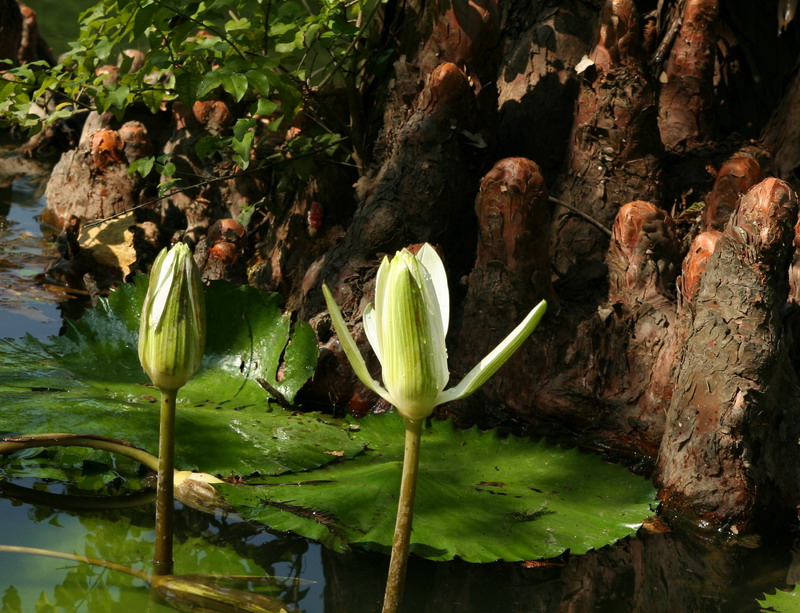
781, 602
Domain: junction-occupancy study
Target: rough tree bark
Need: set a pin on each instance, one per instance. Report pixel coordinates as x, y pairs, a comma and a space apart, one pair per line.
561, 150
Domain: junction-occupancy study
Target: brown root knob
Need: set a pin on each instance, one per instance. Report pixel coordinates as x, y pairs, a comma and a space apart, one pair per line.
765, 215
736, 176
228, 230
136, 142
514, 220
447, 88
617, 37
642, 256
105, 147
686, 101
694, 265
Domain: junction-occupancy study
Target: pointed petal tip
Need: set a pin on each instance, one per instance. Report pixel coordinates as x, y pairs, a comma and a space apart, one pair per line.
496, 358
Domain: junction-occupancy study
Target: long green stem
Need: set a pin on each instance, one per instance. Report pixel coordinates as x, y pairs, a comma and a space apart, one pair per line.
162, 561
405, 514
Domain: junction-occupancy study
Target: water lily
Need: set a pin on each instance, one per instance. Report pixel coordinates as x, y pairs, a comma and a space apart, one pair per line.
407, 327
172, 332
172, 337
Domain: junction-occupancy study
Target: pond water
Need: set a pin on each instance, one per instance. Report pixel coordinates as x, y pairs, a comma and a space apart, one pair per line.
25, 307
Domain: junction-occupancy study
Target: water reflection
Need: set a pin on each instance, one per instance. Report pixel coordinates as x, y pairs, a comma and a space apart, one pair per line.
205, 544
25, 253
659, 573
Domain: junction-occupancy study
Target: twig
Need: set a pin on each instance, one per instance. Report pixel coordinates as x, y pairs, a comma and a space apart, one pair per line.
666, 43
213, 180
582, 215
276, 395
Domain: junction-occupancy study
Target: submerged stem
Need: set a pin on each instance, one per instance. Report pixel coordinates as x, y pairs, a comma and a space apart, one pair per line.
405, 514
76, 558
162, 560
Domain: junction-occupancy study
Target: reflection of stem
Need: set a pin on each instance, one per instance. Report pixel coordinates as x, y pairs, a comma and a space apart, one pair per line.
10, 444
405, 513
76, 558
162, 561
71, 502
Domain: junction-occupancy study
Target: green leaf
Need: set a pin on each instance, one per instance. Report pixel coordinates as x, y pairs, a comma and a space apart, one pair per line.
480, 496
118, 97
210, 81
259, 80
143, 166
782, 602
242, 142
90, 381
143, 19
265, 107
207, 145
187, 85
235, 85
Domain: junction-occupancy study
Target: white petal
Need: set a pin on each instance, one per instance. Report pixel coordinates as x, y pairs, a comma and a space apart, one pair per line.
166, 274
350, 347
370, 320
489, 365
438, 331
433, 264
380, 300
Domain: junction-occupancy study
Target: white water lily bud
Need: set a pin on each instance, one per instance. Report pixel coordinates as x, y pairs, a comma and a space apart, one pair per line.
413, 353
407, 329
172, 331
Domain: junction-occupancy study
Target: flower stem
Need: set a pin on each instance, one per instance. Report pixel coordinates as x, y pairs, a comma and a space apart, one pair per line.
405, 514
162, 561
93, 441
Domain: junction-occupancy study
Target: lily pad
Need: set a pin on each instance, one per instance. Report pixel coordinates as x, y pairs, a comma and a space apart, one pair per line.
90, 381
480, 496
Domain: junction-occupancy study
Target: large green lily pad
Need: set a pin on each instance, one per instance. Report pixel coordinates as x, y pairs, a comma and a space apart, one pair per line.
89, 381
480, 496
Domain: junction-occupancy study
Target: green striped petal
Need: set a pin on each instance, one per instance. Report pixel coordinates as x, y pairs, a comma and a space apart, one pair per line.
350, 347
489, 365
